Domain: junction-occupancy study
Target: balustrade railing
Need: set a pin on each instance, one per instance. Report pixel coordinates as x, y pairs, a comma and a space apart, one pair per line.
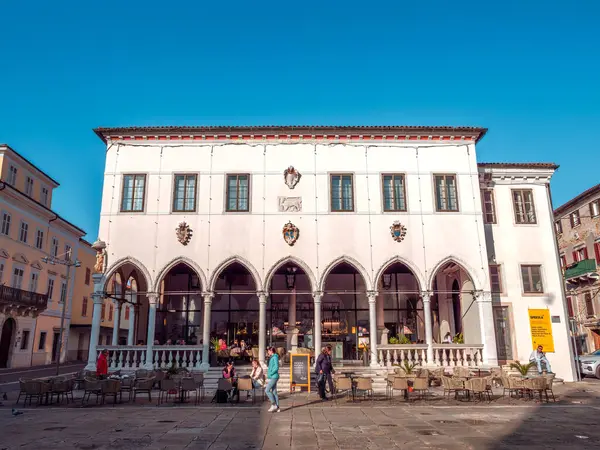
131, 357
444, 355
23, 298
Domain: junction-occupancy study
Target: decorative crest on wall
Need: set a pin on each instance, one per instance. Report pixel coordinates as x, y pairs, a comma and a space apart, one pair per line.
398, 231
290, 233
291, 177
183, 233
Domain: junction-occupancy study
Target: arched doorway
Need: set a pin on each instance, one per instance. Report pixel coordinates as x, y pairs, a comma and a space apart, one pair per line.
290, 313
6, 338
345, 312
399, 305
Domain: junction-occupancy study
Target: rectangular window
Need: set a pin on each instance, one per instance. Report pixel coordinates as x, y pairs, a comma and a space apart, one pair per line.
595, 208
5, 223
29, 186
597, 252
575, 219
44, 196
524, 206
84, 306
25, 340
88, 275
54, 248
238, 193
103, 312
42, 343
110, 312
342, 192
1, 272
33, 282
580, 254
446, 193
50, 288
127, 313
563, 262
394, 192
134, 188
68, 252
23, 232
532, 279
589, 304
489, 206
496, 278
12, 176
17, 280
570, 306
63, 291
39, 239
184, 193
558, 226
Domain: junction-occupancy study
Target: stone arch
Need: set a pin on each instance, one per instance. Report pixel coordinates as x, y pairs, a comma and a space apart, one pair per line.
397, 259
350, 261
296, 261
235, 259
139, 267
459, 262
180, 260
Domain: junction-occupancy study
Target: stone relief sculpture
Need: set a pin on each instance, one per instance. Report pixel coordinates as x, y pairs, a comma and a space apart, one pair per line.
290, 204
101, 256
291, 177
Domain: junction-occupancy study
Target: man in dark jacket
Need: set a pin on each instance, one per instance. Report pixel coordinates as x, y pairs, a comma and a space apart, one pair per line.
324, 370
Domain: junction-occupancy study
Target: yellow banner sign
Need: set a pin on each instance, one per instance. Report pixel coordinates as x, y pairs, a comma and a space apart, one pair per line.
541, 329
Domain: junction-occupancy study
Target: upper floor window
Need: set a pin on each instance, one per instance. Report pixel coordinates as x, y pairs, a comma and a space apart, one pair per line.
580, 254
12, 176
184, 193
575, 219
342, 192
1, 272
563, 262
589, 304
110, 312
103, 311
238, 193
23, 231
63, 291
394, 192
44, 196
524, 206
84, 307
33, 282
489, 206
50, 289
88, 275
39, 239
597, 252
134, 189
446, 193
5, 223
29, 186
127, 313
532, 279
54, 248
595, 208
570, 307
496, 278
558, 226
68, 252
17, 280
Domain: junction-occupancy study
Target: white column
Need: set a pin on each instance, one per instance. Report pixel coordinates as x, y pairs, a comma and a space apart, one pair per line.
372, 296
317, 296
262, 326
426, 297
208, 296
152, 303
292, 331
486, 324
132, 320
96, 313
116, 322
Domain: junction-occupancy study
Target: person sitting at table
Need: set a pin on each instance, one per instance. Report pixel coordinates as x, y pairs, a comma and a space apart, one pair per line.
538, 356
257, 375
102, 365
229, 371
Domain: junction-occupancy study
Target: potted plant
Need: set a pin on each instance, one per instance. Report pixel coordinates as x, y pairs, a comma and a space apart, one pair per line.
458, 339
394, 340
404, 340
408, 367
523, 369
214, 344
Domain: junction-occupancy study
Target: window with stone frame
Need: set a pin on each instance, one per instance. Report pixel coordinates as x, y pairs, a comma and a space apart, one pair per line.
589, 304
575, 219
489, 206
558, 226
341, 186
394, 192
184, 193
595, 208
446, 193
532, 279
496, 278
133, 193
6, 218
238, 193
524, 206
580, 254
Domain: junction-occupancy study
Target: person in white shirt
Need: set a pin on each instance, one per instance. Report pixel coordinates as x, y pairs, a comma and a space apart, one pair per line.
539, 357
257, 375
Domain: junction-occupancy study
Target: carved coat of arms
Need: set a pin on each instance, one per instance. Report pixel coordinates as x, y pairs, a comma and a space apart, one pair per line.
184, 233
290, 233
291, 177
398, 231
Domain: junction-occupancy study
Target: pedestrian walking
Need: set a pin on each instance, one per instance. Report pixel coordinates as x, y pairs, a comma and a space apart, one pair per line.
272, 379
324, 369
102, 365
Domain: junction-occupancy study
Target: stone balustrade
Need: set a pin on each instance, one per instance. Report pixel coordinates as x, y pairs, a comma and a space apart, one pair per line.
131, 357
444, 355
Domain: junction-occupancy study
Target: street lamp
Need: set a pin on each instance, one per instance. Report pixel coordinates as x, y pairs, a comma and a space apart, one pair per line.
53, 260
387, 280
290, 277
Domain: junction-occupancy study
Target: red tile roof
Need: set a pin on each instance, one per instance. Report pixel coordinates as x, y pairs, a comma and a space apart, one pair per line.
532, 165
581, 198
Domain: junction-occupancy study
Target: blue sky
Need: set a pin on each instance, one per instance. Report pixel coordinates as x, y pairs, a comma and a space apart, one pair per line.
528, 71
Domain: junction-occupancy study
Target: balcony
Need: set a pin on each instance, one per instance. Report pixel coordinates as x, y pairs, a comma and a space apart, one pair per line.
581, 272
22, 302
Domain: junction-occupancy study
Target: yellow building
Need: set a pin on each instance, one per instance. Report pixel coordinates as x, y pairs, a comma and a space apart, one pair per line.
38, 273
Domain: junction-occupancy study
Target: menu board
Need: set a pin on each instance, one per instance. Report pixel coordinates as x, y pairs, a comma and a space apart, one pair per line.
300, 370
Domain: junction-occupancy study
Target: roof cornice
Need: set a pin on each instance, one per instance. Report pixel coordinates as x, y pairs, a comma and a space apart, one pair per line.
30, 166
577, 201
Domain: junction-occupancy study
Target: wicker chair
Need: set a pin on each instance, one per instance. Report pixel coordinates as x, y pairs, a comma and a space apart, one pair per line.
159, 375
398, 384
91, 387
22, 382
142, 373
127, 385
343, 385
59, 389
461, 372
189, 385
199, 380
436, 375
166, 388
143, 385
536, 385
364, 386
110, 388
479, 388
32, 390
452, 386
245, 385
549, 382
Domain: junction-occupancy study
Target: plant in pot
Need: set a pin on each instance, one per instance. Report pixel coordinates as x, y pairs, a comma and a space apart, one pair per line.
215, 347
408, 367
404, 340
394, 340
523, 369
458, 339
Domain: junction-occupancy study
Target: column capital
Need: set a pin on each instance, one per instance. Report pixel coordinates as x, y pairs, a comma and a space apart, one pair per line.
426, 296
483, 296
208, 296
317, 295
372, 295
152, 298
262, 296
97, 298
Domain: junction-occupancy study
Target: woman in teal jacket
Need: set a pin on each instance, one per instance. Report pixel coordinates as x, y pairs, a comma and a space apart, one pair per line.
272, 379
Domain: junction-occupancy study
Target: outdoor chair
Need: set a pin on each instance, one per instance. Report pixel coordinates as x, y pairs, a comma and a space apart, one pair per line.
33, 390
452, 386
91, 387
224, 384
400, 372
199, 380
159, 376
398, 384
142, 373
245, 385
389, 380
496, 376
110, 388
127, 385
436, 375
189, 385
421, 387
60, 389
549, 378
167, 387
143, 386
423, 373
364, 386
536, 385
22, 382
479, 388
461, 372
255, 354
343, 385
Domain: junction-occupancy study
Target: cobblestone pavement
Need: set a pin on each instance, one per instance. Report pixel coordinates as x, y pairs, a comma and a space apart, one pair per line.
308, 424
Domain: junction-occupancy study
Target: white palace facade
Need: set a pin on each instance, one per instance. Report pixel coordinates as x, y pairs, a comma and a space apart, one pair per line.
383, 241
